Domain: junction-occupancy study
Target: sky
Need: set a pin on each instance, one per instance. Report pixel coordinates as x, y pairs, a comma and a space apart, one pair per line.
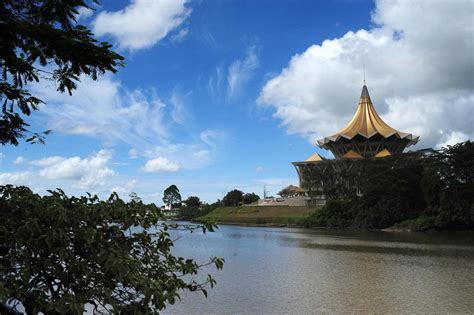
222, 95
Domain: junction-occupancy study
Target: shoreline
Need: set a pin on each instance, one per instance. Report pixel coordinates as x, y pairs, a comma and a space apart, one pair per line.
281, 225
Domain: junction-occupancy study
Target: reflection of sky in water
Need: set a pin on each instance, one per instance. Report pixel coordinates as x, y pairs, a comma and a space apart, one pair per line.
277, 271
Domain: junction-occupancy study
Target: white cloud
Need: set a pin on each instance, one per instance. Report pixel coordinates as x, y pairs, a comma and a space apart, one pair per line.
181, 35
419, 72
84, 13
259, 169
105, 110
19, 160
124, 188
186, 156
15, 178
240, 71
453, 138
160, 164
179, 113
212, 137
86, 173
143, 23
214, 85
47, 161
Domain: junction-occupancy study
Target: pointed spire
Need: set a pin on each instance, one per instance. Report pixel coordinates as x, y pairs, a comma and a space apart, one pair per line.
365, 93
366, 122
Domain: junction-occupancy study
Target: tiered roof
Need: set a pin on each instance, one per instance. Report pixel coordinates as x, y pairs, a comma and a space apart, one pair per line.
367, 123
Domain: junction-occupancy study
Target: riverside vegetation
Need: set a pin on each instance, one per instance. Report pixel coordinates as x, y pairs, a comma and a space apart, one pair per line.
59, 253
435, 191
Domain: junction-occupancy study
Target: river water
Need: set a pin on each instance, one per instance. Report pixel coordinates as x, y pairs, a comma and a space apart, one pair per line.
301, 271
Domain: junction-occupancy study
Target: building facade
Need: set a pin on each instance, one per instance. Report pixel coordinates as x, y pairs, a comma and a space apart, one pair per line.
365, 137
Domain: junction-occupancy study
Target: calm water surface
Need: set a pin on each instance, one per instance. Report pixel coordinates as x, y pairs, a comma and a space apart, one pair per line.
300, 271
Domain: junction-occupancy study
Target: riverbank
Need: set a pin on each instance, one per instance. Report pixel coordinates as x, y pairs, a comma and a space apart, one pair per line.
259, 216
333, 216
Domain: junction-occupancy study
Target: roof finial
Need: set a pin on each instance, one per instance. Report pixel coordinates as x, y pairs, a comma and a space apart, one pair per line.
363, 69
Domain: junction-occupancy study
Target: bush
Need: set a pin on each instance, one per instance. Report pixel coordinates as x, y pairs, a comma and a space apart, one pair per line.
336, 213
60, 253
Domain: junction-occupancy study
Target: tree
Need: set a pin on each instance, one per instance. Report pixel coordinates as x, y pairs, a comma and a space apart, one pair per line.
193, 202
171, 196
191, 209
41, 40
60, 253
249, 198
233, 198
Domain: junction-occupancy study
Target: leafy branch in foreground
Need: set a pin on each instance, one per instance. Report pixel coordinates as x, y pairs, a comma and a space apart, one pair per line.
41, 40
62, 253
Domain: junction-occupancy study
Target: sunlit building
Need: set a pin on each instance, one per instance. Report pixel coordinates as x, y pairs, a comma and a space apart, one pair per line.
365, 137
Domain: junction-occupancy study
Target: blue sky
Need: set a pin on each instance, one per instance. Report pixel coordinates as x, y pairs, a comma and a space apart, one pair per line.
217, 95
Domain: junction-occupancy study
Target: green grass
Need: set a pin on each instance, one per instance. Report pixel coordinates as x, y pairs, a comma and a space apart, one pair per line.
259, 215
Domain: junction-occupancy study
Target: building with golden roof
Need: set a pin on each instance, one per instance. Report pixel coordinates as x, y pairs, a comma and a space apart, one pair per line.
367, 135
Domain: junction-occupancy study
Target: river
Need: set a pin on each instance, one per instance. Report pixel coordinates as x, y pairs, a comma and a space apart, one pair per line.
301, 271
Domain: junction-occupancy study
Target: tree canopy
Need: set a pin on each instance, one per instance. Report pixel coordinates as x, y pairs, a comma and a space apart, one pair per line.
249, 198
41, 41
171, 196
60, 253
193, 202
433, 190
233, 198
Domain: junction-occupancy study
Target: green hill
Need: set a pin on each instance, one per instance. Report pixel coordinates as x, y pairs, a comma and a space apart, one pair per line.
269, 215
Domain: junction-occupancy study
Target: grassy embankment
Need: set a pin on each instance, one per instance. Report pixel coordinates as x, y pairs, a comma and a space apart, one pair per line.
268, 215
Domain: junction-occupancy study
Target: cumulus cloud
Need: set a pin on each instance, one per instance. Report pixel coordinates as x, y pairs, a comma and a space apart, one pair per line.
186, 156
143, 23
160, 164
419, 69
124, 188
106, 110
15, 178
86, 173
240, 71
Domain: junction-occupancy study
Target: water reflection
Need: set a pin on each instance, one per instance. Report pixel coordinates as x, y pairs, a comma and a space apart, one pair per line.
277, 271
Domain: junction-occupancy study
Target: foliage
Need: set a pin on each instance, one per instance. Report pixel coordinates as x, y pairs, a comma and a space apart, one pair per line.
192, 208
424, 191
449, 186
249, 198
172, 197
60, 253
336, 213
233, 198
420, 224
41, 40
193, 202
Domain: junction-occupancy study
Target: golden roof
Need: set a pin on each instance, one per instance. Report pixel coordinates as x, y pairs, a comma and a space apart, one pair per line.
315, 157
352, 155
383, 153
292, 188
367, 123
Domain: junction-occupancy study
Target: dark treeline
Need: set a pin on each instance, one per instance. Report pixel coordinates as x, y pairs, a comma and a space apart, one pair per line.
419, 192
193, 208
